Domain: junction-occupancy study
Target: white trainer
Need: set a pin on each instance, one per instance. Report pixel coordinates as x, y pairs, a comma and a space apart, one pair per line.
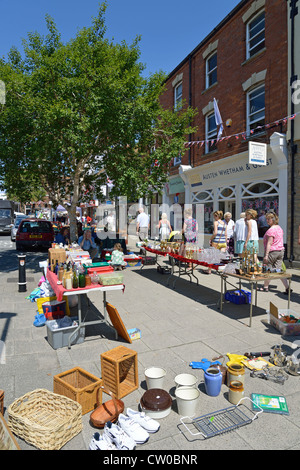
118, 437
149, 424
133, 429
99, 442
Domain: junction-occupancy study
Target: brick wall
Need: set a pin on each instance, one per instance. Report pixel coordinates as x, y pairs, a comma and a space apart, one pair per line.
233, 70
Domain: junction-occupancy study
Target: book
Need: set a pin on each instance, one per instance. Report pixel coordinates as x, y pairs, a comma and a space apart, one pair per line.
269, 403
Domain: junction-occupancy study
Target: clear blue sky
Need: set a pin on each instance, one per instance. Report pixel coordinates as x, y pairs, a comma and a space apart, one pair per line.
169, 29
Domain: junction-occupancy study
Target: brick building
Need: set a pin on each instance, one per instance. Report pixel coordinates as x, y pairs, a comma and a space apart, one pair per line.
243, 64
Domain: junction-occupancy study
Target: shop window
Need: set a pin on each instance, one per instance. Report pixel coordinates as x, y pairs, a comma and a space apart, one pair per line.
210, 133
262, 197
205, 198
178, 97
256, 110
255, 39
211, 70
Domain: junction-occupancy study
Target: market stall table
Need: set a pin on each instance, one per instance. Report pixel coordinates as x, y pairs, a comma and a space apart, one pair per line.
253, 280
60, 291
156, 252
186, 267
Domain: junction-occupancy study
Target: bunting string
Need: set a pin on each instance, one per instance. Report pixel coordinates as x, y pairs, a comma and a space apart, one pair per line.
243, 134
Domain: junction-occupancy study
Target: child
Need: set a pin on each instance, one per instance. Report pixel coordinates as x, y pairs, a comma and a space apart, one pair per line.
117, 257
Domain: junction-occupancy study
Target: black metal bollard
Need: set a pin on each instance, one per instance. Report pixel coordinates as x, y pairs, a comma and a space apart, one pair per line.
22, 273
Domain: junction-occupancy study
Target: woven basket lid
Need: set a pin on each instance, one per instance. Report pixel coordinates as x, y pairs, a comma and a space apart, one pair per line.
156, 399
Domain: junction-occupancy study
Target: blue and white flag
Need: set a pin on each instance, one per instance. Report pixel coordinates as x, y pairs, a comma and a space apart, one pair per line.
218, 119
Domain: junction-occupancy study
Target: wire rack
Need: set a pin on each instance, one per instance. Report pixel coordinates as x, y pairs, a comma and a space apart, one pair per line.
222, 421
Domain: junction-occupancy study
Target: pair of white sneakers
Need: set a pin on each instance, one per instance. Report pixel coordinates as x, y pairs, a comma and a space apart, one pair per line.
131, 430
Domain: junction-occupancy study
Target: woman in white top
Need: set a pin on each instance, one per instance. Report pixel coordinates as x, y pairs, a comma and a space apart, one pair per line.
251, 242
164, 227
230, 228
240, 233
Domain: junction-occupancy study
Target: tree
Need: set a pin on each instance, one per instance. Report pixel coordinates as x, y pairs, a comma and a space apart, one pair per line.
80, 112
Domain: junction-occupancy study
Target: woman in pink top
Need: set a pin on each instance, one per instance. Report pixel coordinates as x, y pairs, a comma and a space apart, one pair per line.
274, 248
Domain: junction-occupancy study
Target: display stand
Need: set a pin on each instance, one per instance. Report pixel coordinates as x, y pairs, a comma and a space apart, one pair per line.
253, 280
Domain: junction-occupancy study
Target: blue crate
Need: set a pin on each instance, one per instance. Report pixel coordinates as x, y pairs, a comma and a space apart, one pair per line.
238, 297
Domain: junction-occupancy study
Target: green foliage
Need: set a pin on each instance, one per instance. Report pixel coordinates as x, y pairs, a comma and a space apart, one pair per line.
79, 111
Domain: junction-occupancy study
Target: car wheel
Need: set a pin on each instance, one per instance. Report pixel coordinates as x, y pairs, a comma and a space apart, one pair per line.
18, 246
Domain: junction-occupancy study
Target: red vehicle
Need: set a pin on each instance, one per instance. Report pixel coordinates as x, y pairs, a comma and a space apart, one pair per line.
34, 233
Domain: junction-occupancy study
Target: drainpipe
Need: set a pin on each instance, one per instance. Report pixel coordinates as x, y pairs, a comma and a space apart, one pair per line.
294, 77
190, 103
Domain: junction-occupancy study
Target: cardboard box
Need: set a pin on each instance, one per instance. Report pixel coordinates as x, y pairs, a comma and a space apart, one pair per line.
275, 318
134, 333
56, 254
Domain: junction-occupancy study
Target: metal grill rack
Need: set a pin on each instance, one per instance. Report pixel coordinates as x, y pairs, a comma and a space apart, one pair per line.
222, 421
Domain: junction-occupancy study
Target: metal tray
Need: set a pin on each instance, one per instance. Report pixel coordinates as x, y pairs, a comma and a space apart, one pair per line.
221, 421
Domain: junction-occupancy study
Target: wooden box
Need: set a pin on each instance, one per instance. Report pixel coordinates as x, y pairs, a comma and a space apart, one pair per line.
56, 254
119, 371
80, 386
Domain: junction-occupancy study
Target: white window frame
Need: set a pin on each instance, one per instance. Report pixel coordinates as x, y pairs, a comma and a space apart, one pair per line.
209, 135
209, 72
249, 114
177, 97
248, 38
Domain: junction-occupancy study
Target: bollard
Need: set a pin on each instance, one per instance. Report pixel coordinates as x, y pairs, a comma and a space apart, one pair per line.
22, 273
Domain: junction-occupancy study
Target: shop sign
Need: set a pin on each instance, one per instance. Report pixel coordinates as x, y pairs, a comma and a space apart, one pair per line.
176, 185
257, 153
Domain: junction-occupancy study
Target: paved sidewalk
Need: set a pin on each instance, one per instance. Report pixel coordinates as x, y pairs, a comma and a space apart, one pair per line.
178, 326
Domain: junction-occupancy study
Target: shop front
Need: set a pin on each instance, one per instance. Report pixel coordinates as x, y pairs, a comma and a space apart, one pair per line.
234, 185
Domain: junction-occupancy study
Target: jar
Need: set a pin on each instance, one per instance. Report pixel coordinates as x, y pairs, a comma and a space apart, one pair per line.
95, 278
68, 281
235, 371
223, 370
213, 381
88, 280
236, 392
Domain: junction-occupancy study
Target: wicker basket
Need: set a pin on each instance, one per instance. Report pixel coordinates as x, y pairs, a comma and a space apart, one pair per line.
119, 368
45, 419
80, 386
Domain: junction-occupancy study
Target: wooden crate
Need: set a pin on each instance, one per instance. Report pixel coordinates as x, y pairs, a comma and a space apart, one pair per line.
80, 386
119, 371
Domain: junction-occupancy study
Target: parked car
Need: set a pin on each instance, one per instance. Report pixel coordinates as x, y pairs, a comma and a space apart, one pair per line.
14, 229
34, 233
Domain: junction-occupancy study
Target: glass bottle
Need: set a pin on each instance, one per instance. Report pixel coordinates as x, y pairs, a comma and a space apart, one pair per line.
75, 279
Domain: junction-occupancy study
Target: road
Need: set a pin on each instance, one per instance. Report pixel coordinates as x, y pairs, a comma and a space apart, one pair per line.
9, 256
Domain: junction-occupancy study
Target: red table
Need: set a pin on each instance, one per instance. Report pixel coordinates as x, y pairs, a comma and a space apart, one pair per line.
60, 291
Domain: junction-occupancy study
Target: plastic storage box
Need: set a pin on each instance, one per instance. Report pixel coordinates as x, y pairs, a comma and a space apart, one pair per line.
110, 279
59, 337
286, 329
238, 296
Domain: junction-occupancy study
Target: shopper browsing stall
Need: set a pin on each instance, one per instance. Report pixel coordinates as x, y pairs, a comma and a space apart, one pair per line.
274, 249
164, 227
240, 233
251, 242
190, 227
218, 239
230, 230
